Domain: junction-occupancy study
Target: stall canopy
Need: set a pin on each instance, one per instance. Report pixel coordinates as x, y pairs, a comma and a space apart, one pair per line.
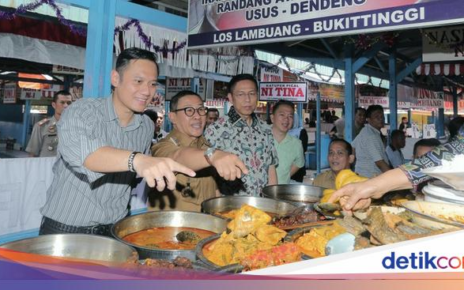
441, 69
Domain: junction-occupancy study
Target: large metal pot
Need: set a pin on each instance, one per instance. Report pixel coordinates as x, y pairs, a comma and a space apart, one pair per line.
79, 246
296, 193
233, 268
153, 219
216, 205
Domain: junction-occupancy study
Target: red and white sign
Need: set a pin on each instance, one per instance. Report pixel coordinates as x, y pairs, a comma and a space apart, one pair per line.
366, 101
9, 94
29, 94
294, 92
271, 74
175, 85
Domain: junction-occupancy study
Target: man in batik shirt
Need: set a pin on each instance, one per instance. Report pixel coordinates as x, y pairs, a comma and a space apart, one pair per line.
241, 132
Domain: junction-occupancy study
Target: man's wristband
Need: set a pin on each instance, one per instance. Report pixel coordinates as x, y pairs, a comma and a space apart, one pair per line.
130, 161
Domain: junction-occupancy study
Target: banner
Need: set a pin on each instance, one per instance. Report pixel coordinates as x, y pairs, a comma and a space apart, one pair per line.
404, 105
9, 93
443, 44
271, 74
30, 94
366, 101
245, 22
65, 70
332, 93
175, 85
294, 92
429, 100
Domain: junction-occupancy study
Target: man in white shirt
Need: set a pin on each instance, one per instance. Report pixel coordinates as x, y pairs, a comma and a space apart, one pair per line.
371, 159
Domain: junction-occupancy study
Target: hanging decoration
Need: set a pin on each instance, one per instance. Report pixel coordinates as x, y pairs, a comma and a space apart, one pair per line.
22, 9
170, 47
173, 51
146, 40
311, 68
366, 41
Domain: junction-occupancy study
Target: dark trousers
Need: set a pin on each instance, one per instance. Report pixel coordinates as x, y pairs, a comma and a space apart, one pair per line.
50, 226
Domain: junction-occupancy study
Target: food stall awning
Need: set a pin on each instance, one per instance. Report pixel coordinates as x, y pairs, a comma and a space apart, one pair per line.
441, 69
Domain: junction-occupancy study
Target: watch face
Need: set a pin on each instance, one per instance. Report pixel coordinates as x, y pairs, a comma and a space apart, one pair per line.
210, 151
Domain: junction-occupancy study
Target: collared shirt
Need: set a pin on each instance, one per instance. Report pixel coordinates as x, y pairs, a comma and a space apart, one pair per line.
395, 157
77, 195
253, 144
326, 179
290, 152
369, 148
203, 185
44, 138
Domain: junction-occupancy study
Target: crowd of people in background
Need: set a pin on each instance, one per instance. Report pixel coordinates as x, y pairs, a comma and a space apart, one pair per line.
212, 155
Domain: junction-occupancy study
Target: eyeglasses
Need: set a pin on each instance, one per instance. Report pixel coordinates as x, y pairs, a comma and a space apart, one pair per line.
190, 111
242, 95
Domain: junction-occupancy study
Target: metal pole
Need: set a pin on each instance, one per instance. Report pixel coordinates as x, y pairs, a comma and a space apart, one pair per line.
318, 133
26, 121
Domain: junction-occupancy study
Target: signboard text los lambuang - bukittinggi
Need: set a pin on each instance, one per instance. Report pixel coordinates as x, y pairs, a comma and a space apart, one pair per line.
258, 21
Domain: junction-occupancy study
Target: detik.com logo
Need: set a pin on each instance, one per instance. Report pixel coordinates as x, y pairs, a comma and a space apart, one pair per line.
422, 260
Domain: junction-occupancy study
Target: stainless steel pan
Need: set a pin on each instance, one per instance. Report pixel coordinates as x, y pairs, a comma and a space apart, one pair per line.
78, 246
298, 193
153, 219
227, 203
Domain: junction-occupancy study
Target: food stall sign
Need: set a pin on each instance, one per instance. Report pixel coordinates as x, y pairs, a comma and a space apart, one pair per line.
366, 101
443, 44
244, 22
274, 91
271, 74
9, 93
175, 85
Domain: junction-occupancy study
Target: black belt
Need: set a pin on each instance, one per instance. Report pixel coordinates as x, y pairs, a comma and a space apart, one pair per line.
104, 230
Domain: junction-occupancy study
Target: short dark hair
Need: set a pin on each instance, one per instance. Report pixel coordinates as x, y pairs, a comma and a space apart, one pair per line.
238, 78
214, 110
177, 97
396, 133
347, 145
134, 53
283, 103
431, 142
454, 126
372, 108
359, 109
404, 118
152, 115
60, 93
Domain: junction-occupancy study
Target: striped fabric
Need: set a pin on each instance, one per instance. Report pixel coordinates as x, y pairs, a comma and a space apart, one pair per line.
435, 69
78, 196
